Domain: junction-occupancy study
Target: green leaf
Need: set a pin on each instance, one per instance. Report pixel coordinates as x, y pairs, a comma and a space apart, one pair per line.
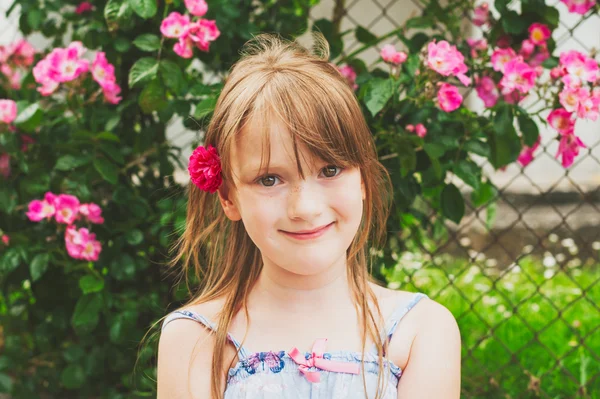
91, 283
503, 120
5, 383
205, 107
550, 15
113, 152
485, 193
38, 266
8, 199
172, 75
71, 162
87, 311
73, 376
116, 12
134, 237
513, 23
468, 172
29, 118
107, 170
121, 44
434, 150
10, 260
364, 36
143, 70
147, 42
108, 136
477, 147
421, 22
35, 17
550, 62
529, 129
453, 204
144, 8
379, 92
153, 97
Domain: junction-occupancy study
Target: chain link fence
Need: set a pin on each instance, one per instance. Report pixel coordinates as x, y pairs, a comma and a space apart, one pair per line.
520, 273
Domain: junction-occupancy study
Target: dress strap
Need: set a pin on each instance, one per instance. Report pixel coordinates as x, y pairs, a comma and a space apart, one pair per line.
392, 322
188, 314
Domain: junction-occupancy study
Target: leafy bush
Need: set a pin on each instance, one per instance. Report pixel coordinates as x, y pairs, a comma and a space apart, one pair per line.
89, 204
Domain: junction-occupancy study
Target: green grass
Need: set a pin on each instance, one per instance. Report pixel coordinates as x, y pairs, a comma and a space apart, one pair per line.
528, 331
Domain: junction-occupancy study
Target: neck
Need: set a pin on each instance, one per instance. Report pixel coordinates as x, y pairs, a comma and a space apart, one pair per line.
299, 293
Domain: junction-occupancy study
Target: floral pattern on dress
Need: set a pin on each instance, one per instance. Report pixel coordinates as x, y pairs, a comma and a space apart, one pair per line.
273, 361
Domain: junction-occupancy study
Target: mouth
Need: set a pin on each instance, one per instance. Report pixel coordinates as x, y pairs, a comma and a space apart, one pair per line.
307, 234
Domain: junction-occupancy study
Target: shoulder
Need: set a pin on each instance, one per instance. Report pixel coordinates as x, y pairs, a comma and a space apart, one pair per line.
434, 365
185, 349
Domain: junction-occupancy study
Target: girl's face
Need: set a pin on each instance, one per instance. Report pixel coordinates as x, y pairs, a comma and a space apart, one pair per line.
280, 202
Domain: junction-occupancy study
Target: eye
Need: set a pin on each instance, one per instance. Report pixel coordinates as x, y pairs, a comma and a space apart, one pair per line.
329, 170
268, 179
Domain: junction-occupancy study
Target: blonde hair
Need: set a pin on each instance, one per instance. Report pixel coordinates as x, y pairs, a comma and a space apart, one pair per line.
277, 77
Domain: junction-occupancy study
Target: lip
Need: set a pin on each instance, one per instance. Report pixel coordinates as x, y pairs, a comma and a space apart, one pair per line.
309, 234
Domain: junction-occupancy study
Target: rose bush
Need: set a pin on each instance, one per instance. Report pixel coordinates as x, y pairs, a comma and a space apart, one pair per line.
88, 200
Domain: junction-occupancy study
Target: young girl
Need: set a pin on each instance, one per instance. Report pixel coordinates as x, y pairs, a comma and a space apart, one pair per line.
287, 195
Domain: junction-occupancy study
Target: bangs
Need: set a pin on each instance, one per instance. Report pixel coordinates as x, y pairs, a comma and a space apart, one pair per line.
317, 114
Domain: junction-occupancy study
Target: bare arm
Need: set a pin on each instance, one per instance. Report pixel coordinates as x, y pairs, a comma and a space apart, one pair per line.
433, 369
185, 353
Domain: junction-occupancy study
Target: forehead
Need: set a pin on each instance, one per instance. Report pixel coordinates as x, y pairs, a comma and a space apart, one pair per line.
258, 140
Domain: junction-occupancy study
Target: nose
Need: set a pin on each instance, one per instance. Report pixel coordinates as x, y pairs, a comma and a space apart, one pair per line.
305, 201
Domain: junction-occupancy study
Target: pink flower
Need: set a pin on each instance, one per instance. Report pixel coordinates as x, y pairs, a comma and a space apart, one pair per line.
41, 74
390, 55
202, 32
571, 97
588, 104
526, 155
557, 72
65, 64
518, 75
92, 212
13, 76
23, 53
481, 14
205, 168
39, 210
196, 7
579, 6
67, 208
410, 128
421, 130
8, 111
447, 60
487, 91
102, 71
348, 72
5, 165
560, 119
568, 148
184, 47
111, 92
448, 97
527, 48
6, 239
539, 57
174, 26
500, 58
539, 33
81, 244
477, 45
579, 66
84, 6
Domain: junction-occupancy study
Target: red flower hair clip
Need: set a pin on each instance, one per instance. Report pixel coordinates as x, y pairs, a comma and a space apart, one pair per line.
205, 168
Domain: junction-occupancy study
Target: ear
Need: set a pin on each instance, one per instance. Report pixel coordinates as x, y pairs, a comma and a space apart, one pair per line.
229, 207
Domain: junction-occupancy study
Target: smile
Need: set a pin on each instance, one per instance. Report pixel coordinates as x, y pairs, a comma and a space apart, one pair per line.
309, 236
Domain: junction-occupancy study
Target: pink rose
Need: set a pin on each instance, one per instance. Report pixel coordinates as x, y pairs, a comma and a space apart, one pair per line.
174, 25
83, 7
526, 155
389, 54
8, 111
447, 60
42, 209
81, 244
348, 72
5, 239
568, 148
579, 6
67, 208
500, 58
518, 75
196, 7
487, 91
481, 14
92, 212
560, 119
539, 33
448, 97
205, 168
